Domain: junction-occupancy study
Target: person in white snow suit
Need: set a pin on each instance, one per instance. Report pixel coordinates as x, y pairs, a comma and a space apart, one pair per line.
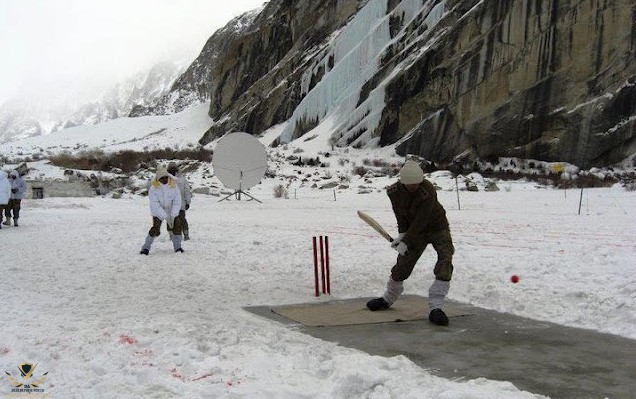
165, 204
421, 221
186, 197
18, 188
5, 193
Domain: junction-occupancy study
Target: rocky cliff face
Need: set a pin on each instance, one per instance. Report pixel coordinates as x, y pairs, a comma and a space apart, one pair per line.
546, 79
550, 80
258, 80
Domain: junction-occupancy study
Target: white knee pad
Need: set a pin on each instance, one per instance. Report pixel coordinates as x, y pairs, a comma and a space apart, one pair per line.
437, 293
393, 290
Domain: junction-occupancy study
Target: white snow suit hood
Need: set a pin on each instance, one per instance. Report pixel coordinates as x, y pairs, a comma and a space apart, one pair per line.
18, 187
5, 188
165, 199
185, 190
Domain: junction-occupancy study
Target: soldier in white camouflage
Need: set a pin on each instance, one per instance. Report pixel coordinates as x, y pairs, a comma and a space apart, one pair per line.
186, 198
421, 220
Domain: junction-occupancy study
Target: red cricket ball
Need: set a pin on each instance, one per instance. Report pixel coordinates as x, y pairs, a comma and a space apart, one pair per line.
514, 278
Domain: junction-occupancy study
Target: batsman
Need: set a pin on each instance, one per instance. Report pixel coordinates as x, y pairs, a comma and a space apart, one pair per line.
421, 220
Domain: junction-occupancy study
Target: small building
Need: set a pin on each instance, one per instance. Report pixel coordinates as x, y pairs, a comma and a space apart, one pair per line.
38, 189
37, 192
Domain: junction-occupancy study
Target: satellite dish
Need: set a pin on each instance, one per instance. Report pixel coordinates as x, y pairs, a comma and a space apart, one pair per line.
240, 162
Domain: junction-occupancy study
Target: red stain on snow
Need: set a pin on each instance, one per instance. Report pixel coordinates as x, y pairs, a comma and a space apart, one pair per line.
127, 339
143, 353
176, 374
206, 375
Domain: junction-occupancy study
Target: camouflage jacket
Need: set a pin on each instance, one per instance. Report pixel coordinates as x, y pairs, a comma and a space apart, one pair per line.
417, 213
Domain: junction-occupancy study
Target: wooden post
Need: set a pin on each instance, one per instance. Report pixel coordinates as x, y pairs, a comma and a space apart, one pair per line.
459, 207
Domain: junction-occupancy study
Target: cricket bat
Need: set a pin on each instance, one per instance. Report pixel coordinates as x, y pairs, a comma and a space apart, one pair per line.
376, 226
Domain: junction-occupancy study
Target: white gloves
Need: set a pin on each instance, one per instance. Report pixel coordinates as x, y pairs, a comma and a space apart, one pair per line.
399, 246
398, 240
170, 222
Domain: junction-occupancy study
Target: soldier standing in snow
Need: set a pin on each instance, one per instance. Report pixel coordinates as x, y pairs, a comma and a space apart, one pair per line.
18, 188
165, 204
421, 221
186, 197
5, 193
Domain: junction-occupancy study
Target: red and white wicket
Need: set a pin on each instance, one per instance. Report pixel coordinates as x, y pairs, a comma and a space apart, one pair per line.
324, 265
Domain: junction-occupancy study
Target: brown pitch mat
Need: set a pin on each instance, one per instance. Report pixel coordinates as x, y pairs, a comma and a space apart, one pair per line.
354, 311
538, 356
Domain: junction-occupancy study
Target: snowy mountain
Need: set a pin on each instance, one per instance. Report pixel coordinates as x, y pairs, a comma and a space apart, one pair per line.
456, 81
18, 120
447, 80
21, 118
195, 84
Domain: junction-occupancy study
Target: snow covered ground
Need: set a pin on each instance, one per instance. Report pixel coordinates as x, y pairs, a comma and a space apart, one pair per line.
106, 322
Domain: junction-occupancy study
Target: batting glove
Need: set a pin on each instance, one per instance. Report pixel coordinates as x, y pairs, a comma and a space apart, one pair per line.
401, 248
398, 240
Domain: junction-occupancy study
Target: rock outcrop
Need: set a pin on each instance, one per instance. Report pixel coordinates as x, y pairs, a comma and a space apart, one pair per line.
257, 81
553, 80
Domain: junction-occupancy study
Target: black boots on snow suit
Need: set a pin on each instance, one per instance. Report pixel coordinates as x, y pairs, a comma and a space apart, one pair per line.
377, 304
8, 222
437, 316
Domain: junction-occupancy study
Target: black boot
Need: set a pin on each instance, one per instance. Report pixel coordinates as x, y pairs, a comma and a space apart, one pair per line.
377, 304
437, 316
144, 251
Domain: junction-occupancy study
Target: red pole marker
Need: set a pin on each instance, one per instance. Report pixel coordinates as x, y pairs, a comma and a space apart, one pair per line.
322, 265
514, 278
316, 266
327, 265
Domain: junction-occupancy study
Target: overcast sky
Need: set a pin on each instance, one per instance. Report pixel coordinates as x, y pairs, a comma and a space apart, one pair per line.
52, 42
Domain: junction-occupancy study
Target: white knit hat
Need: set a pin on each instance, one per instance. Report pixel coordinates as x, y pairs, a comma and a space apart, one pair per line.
161, 172
411, 173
